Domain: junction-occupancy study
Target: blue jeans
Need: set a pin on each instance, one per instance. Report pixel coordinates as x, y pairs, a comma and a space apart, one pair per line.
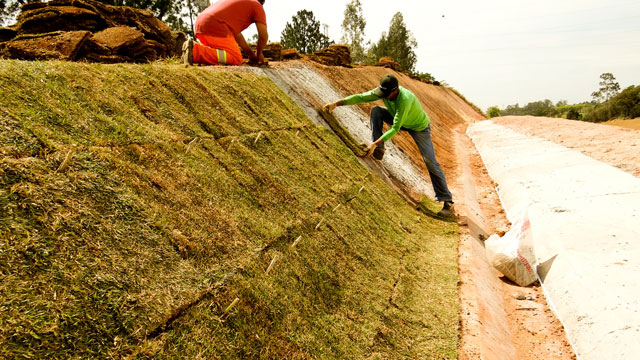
422, 138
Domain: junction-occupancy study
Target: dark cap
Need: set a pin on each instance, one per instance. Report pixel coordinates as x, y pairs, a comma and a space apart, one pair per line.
388, 84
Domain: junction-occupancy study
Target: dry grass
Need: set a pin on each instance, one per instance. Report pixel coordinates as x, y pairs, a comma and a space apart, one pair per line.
138, 202
626, 123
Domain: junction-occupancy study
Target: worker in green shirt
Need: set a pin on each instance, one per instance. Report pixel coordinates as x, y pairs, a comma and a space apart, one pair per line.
403, 112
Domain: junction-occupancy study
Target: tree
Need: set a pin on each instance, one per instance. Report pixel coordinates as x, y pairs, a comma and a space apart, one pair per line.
608, 88
540, 108
303, 33
353, 30
493, 111
573, 114
513, 110
398, 44
377, 50
401, 43
625, 105
161, 8
9, 10
253, 39
185, 9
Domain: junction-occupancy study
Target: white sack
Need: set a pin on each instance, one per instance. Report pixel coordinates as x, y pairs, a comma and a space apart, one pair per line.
512, 254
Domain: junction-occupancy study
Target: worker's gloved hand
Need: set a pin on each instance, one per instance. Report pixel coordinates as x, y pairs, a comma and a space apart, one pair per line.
369, 149
330, 107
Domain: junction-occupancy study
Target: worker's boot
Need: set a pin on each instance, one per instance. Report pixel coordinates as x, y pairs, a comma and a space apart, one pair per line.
447, 210
187, 52
378, 153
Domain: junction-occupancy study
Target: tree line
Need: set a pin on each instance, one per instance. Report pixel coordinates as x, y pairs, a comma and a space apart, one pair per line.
304, 33
608, 103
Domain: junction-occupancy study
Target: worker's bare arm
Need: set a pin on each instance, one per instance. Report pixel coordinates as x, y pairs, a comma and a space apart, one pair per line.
244, 46
263, 37
369, 149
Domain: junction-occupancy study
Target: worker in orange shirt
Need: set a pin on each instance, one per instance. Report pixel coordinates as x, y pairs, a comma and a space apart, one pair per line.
219, 30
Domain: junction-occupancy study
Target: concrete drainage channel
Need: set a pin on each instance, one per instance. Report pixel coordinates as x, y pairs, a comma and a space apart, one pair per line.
585, 219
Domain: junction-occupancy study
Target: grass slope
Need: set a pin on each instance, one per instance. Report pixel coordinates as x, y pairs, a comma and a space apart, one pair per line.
142, 205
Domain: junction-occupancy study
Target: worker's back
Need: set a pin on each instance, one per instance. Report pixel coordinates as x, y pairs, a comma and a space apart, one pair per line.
229, 16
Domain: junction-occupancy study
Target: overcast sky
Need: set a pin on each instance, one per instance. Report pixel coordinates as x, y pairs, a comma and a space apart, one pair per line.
501, 52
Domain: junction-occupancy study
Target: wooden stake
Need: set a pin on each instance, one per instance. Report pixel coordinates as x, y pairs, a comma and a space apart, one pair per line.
66, 161
230, 307
272, 263
189, 146
295, 243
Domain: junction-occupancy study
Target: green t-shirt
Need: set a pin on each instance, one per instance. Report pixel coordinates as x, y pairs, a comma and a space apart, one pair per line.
405, 109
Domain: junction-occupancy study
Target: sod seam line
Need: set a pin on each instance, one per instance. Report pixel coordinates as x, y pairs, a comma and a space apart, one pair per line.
196, 140
180, 311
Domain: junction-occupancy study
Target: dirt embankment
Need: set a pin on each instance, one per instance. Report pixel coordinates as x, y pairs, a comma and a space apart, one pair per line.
496, 322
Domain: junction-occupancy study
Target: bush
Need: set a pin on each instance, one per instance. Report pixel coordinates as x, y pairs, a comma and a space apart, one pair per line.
493, 111
573, 114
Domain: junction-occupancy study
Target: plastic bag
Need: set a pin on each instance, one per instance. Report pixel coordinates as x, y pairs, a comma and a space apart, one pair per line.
513, 253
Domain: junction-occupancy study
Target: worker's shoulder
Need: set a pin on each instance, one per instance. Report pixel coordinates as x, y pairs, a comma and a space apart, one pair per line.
407, 94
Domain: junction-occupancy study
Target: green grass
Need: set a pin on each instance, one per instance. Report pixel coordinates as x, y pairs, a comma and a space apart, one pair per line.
179, 189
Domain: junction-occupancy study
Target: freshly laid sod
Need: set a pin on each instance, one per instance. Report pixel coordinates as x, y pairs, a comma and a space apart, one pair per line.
153, 211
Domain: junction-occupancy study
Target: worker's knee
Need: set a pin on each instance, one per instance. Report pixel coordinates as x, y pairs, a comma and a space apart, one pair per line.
378, 110
381, 114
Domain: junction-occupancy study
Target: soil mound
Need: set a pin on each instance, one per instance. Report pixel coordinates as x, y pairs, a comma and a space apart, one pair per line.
334, 55
54, 46
88, 30
272, 51
388, 62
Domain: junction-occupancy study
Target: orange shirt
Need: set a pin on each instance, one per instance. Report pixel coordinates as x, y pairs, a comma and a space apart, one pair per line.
227, 16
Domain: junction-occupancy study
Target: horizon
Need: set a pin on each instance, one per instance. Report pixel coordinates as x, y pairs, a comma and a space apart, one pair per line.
498, 53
